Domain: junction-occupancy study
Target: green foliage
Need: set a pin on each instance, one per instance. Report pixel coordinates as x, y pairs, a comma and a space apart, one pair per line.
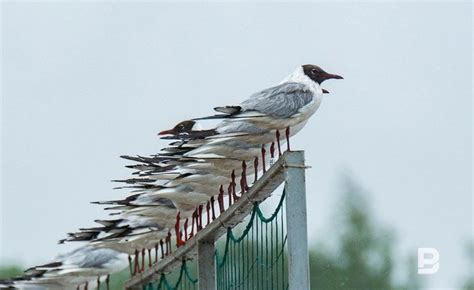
117, 280
361, 256
10, 271
356, 254
469, 283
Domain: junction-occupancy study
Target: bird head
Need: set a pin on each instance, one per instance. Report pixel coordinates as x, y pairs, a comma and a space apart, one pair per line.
317, 74
182, 127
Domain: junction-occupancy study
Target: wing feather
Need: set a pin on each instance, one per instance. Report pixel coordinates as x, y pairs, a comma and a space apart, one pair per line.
281, 101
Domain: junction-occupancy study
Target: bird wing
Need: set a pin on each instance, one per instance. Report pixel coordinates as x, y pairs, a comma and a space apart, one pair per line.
282, 101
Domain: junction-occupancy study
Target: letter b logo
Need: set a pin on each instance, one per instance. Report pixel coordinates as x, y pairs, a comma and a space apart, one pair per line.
428, 261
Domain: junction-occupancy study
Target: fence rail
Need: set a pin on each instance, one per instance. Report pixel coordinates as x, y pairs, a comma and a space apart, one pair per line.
290, 168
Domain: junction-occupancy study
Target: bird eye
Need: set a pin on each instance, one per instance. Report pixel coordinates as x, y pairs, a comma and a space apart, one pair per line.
314, 71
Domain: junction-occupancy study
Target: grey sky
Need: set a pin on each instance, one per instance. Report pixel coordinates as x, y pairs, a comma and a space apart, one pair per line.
84, 83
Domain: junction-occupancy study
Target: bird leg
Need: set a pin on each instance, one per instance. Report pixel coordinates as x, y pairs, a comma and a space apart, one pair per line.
278, 142
192, 224
263, 159
179, 241
208, 208
220, 199
244, 176
162, 249
86, 285
107, 281
185, 229
98, 283
156, 253
255, 165
200, 217
143, 260
78, 287
232, 183
130, 264
242, 179
212, 208
169, 241
149, 258
229, 193
136, 266
287, 133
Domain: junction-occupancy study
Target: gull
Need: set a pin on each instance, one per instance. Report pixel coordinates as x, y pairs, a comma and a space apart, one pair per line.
286, 105
82, 265
131, 236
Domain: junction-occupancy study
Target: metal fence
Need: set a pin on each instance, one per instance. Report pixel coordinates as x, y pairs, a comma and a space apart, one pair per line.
270, 253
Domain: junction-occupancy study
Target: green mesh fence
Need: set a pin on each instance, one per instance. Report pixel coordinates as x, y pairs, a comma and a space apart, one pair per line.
185, 281
252, 258
255, 259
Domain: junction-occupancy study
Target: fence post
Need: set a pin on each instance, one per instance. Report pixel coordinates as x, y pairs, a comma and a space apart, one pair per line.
206, 265
295, 188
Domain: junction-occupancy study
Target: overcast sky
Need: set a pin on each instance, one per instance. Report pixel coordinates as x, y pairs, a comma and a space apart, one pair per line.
84, 83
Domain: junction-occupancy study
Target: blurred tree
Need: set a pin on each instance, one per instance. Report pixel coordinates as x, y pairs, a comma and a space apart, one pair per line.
362, 255
10, 271
469, 283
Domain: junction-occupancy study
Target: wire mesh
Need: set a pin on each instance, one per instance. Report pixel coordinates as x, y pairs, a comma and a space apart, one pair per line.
185, 280
255, 259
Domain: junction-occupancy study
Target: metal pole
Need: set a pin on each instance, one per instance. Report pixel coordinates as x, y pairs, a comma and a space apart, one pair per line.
295, 188
206, 265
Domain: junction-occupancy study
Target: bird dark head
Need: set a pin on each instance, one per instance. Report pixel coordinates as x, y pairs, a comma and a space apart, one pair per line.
182, 127
317, 74
185, 126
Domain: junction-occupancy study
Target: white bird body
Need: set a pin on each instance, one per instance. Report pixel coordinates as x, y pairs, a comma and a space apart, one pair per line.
130, 244
67, 271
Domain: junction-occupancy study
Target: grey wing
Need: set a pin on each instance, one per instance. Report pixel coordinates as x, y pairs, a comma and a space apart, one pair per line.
97, 258
281, 101
82, 257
